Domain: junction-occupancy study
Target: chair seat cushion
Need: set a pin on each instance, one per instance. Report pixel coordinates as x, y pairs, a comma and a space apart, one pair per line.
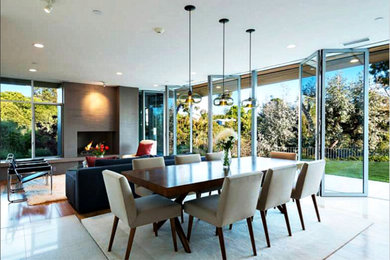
155, 208
141, 191
204, 208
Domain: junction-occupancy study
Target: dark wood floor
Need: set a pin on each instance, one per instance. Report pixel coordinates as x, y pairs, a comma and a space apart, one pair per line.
14, 214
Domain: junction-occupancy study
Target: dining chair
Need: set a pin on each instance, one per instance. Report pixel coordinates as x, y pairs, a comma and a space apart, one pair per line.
308, 183
137, 212
146, 163
276, 192
237, 202
214, 157
284, 155
187, 158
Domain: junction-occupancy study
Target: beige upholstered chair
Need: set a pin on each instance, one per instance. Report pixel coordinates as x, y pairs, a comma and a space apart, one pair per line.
307, 184
214, 156
237, 201
146, 163
187, 158
276, 192
152, 152
139, 212
283, 155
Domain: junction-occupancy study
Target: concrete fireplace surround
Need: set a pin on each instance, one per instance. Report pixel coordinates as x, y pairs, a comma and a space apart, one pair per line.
95, 108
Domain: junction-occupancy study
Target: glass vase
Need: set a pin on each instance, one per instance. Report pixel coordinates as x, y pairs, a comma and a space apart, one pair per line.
227, 158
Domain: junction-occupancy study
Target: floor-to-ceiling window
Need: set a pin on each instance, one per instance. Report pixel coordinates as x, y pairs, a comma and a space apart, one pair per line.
277, 115
30, 118
200, 121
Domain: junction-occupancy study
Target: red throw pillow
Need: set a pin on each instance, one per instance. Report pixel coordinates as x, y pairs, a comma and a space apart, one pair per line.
144, 149
92, 159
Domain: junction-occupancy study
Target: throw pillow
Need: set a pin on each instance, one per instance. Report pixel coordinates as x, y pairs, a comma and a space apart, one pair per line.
144, 149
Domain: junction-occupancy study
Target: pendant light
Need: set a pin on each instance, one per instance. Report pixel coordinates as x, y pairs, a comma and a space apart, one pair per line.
250, 102
190, 97
224, 99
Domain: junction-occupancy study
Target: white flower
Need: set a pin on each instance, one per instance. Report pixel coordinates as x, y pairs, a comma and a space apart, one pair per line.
225, 135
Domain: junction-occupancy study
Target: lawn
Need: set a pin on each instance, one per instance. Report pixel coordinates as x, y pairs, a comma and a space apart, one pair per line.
378, 171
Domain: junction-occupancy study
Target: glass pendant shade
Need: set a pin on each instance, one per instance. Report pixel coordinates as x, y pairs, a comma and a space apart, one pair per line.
190, 98
223, 100
249, 103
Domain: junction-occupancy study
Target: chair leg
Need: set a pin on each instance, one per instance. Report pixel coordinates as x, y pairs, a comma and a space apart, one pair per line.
190, 220
114, 226
130, 243
313, 196
249, 223
209, 193
230, 226
221, 242
219, 191
155, 229
173, 230
262, 213
198, 195
182, 216
286, 218
300, 213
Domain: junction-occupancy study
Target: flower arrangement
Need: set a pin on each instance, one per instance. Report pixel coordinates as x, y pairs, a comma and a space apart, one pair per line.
225, 141
100, 149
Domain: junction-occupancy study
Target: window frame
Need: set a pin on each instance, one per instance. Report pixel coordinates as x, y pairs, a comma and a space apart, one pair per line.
33, 118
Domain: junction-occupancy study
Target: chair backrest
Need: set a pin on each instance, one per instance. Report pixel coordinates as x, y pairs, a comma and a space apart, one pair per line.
283, 155
188, 158
147, 163
154, 147
120, 197
239, 197
309, 179
277, 187
214, 156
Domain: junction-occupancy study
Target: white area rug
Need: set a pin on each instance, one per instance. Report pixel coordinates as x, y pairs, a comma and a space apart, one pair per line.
317, 242
38, 192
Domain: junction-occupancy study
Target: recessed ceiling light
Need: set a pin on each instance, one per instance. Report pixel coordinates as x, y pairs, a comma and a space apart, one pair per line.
38, 45
159, 30
49, 7
218, 86
193, 73
291, 46
354, 60
32, 70
97, 12
378, 18
155, 85
119, 73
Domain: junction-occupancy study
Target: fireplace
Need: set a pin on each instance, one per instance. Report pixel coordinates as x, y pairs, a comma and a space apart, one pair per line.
108, 138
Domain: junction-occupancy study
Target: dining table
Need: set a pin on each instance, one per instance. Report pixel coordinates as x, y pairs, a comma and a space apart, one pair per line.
177, 181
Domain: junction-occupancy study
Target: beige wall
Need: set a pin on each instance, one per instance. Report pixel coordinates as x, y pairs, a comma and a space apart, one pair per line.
128, 120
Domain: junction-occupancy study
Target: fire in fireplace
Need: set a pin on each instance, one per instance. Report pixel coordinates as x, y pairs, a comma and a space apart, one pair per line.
88, 140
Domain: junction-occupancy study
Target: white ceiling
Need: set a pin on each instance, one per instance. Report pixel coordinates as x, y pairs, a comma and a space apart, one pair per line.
83, 47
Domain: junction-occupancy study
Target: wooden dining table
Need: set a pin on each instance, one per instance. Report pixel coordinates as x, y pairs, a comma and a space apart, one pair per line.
176, 181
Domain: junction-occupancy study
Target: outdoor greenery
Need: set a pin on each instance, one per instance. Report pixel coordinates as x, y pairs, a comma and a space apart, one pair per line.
16, 124
277, 125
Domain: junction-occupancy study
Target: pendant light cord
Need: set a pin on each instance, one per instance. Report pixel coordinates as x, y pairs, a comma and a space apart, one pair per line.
250, 52
189, 55
223, 60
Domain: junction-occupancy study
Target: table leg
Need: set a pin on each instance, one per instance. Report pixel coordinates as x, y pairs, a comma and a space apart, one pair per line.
182, 236
177, 200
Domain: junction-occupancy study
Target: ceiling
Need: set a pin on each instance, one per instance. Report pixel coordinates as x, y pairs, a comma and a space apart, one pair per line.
81, 46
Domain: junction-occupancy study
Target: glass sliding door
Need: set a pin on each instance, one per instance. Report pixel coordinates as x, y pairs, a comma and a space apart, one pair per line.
153, 118
334, 118
223, 117
345, 116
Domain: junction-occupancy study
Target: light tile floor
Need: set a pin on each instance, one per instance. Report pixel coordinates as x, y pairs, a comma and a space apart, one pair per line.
66, 238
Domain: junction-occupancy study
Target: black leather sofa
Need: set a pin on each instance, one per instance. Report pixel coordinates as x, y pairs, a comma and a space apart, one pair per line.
85, 188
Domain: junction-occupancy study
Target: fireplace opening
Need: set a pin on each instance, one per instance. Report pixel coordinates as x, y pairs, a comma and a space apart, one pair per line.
108, 138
